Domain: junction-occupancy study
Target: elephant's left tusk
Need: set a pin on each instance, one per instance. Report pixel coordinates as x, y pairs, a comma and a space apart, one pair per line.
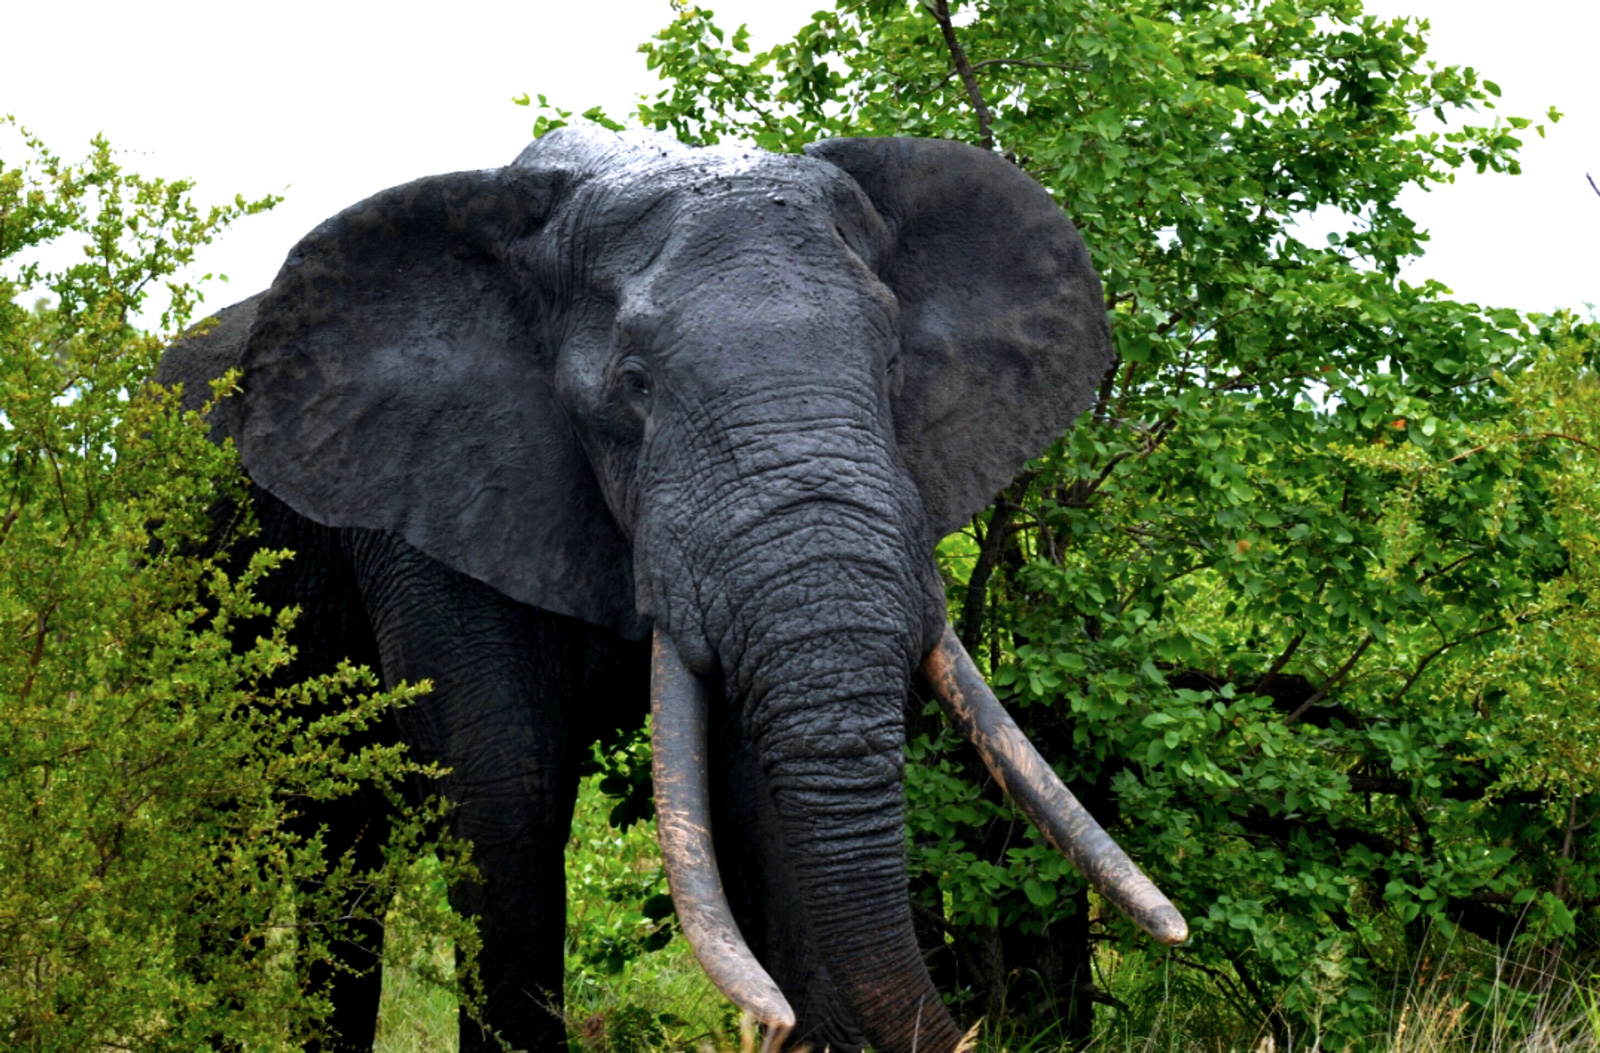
678, 710
1043, 798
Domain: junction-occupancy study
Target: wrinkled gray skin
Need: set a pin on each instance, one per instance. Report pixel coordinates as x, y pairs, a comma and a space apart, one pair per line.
512, 419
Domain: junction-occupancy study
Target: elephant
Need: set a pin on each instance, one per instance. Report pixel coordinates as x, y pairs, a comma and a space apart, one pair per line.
631, 423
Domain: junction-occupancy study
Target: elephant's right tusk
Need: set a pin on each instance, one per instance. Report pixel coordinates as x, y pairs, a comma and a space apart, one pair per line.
678, 715
1043, 798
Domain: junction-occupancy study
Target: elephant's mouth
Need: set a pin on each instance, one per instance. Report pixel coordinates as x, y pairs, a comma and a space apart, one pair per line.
679, 713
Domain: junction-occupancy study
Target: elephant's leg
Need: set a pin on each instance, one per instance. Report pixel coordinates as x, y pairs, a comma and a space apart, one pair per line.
501, 718
332, 627
357, 823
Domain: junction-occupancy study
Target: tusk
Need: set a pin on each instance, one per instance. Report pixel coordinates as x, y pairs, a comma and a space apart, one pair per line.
683, 821
1043, 798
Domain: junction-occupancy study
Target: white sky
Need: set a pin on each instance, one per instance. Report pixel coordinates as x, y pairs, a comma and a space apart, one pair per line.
326, 102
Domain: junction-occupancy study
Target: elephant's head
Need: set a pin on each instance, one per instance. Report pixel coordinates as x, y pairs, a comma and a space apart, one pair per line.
733, 397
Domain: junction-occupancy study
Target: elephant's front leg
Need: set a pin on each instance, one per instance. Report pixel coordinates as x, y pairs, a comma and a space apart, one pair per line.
501, 717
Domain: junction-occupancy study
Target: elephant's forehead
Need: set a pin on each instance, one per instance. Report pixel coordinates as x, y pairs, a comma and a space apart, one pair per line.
618, 177
624, 158
685, 220
707, 179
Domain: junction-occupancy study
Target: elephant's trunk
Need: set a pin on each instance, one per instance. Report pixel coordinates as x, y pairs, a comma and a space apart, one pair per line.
842, 810
808, 586
820, 666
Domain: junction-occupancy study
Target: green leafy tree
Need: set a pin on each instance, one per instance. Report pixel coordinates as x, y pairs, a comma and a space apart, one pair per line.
1301, 607
155, 893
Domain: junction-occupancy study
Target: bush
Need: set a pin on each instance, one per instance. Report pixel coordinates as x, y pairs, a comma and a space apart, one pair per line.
152, 893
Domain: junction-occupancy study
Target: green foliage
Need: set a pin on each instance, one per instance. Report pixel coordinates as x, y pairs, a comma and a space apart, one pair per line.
618, 905
1304, 607
632, 982
153, 895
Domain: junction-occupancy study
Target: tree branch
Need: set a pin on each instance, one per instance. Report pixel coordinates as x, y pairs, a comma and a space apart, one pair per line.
1090, 992
1102, 402
994, 539
1480, 919
1447, 568
1329, 684
941, 13
1392, 787
1483, 921
41, 628
1428, 658
1282, 660
1566, 847
1069, 67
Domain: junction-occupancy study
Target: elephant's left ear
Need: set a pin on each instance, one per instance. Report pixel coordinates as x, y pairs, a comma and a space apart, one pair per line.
1003, 328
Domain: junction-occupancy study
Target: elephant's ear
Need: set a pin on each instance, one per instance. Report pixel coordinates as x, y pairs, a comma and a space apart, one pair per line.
397, 379
1003, 328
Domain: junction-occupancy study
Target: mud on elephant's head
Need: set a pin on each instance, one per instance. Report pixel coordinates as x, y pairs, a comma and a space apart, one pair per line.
734, 398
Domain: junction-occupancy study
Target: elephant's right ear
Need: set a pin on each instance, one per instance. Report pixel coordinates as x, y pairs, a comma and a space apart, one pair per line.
397, 379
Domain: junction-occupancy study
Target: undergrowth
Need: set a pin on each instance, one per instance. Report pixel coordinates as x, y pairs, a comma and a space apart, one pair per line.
633, 985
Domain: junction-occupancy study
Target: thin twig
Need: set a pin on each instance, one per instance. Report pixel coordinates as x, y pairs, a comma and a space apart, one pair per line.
1566, 847
1108, 381
1230, 989
1078, 495
1447, 568
41, 628
1427, 659
1069, 67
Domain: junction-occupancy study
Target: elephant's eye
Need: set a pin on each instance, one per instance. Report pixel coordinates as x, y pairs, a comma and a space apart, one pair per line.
634, 380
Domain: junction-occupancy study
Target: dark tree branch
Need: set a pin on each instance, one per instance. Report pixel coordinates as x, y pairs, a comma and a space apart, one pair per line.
1267, 1007
1102, 402
1283, 830
1392, 787
41, 629
1078, 494
1091, 993
1480, 919
1226, 984
1566, 847
941, 13
1282, 660
992, 548
1068, 67
1447, 568
1329, 684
